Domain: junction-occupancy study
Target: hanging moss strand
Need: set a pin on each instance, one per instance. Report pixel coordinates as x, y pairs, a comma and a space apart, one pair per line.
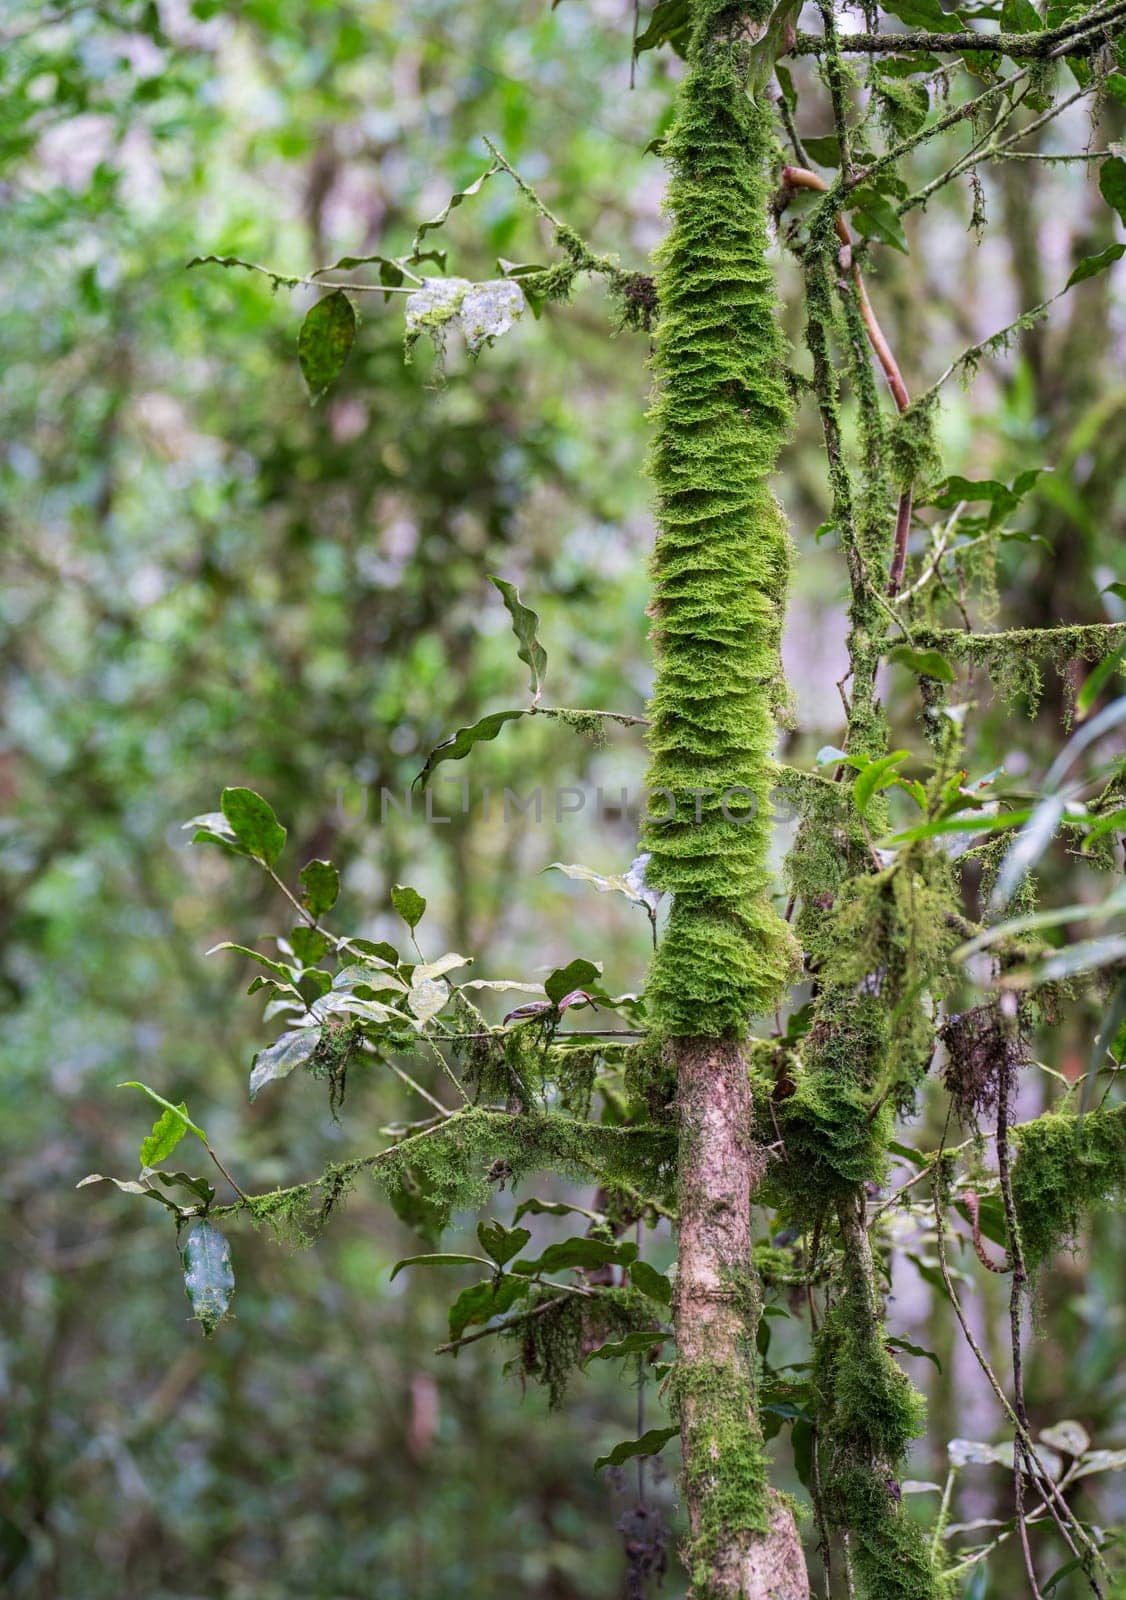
721, 565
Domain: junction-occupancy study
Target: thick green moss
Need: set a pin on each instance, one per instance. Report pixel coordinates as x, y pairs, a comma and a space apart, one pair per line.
868, 1413
1066, 1167
721, 565
458, 1165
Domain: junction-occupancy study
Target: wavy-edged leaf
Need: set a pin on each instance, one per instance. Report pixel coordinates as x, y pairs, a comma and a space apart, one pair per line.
443, 1258
286, 975
638, 1343
282, 1057
1091, 266
209, 1278
167, 1131
525, 625
534, 1207
650, 1444
499, 1243
458, 746
452, 204
582, 1252
278, 279
176, 1111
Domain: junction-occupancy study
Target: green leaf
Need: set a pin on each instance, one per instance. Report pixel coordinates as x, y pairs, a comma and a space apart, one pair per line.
176, 1111
286, 974
875, 217
252, 820
553, 1208
320, 886
525, 625
669, 23
278, 279
325, 339
583, 1252
452, 204
482, 1301
501, 1243
638, 1343
209, 1278
927, 663
1112, 184
1097, 680
1020, 16
442, 1259
409, 904
651, 1282
976, 823
926, 15
577, 974
167, 1131
308, 946
875, 776
461, 743
198, 1187
650, 1444
913, 1350
1090, 266
279, 1059
825, 149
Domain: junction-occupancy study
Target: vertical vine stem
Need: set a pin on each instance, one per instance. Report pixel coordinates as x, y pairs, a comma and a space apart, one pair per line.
801, 178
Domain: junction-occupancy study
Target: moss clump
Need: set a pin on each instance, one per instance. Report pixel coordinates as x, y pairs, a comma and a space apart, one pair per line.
913, 445
875, 1410
721, 564
868, 1413
457, 1165
889, 1551
554, 1342
726, 1464
1066, 1166
1015, 659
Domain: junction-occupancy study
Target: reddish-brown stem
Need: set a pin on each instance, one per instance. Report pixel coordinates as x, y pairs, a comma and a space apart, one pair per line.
803, 178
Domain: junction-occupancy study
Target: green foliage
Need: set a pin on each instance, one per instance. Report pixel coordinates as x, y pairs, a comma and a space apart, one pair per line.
1066, 1167
326, 337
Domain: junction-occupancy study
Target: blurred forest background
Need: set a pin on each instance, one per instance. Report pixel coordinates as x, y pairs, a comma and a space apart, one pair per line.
207, 581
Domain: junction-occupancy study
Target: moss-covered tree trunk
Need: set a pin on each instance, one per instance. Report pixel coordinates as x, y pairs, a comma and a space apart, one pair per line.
744, 1544
722, 411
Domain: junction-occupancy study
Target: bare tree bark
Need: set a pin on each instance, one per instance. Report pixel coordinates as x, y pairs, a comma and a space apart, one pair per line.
743, 1542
